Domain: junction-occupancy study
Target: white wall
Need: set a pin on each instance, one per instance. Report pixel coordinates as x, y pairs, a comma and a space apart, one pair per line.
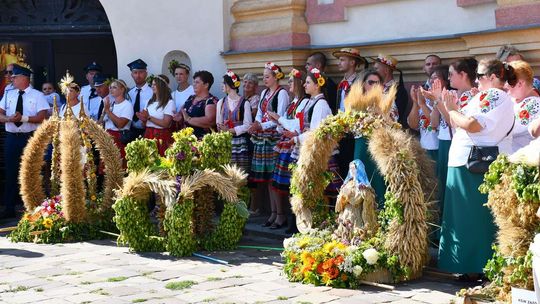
401, 19
151, 29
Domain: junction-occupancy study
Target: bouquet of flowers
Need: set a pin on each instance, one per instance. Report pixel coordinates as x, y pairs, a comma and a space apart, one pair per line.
317, 258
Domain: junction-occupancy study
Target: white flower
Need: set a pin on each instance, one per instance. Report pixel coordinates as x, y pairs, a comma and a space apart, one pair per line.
351, 249
287, 242
63, 229
371, 255
357, 270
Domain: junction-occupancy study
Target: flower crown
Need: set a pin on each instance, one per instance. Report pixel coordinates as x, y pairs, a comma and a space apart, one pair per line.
234, 78
319, 76
275, 69
153, 77
295, 73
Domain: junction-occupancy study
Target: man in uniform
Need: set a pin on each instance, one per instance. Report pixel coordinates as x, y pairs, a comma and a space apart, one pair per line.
95, 105
139, 95
88, 91
21, 110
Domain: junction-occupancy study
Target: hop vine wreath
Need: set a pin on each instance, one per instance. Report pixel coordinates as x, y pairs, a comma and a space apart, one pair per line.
84, 210
402, 233
513, 186
190, 169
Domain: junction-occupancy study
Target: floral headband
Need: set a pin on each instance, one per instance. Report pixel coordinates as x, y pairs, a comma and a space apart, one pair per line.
319, 76
275, 69
234, 78
295, 73
173, 65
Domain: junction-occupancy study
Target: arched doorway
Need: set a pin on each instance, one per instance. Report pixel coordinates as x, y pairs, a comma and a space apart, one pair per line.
51, 36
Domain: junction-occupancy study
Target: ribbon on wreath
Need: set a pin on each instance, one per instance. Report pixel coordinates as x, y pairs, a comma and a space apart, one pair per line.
300, 116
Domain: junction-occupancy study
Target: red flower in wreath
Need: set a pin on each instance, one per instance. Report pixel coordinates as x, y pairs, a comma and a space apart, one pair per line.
524, 114
484, 103
464, 98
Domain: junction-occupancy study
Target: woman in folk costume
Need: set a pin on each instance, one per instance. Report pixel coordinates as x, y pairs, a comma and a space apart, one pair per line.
313, 113
468, 230
526, 104
462, 77
265, 134
118, 114
158, 114
290, 123
233, 114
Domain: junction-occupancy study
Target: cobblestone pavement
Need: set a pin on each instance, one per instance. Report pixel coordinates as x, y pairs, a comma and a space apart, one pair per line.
101, 272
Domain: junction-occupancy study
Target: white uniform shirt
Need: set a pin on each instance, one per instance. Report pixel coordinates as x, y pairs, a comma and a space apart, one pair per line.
180, 97
283, 102
33, 102
85, 94
76, 110
146, 95
525, 112
232, 104
124, 110
94, 104
159, 113
493, 109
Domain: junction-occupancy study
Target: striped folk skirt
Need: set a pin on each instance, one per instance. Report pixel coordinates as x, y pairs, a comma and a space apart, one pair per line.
240, 153
264, 156
162, 136
281, 180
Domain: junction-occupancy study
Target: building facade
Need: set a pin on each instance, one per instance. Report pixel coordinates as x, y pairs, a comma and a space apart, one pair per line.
244, 34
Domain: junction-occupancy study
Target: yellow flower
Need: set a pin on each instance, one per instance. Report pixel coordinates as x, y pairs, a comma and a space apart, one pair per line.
321, 81
26, 217
279, 75
304, 256
93, 197
237, 84
47, 223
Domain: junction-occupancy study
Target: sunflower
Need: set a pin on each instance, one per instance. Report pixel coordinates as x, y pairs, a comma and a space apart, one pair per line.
47, 223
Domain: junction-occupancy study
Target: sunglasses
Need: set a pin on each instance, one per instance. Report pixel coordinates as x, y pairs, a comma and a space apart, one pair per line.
8, 72
479, 76
373, 82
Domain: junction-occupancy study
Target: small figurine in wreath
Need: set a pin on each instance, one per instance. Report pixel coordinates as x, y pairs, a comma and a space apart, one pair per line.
356, 204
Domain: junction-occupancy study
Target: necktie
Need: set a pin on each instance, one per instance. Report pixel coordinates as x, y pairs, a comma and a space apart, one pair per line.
19, 107
100, 110
92, 93
137, 105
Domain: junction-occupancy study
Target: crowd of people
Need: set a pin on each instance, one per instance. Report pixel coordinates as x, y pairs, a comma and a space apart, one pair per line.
464, 104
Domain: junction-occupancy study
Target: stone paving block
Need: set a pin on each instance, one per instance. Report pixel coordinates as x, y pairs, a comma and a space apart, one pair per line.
166, 301
343, 293
84, 267
49, 272
434, 297
167, 275
252, 297
55, 301
87, 297
26, 297
15, 277
212, 285
191, 296
266, 286
288, 292
381, 297
315, 298
406, 301
122, 291
65, 291
30, 283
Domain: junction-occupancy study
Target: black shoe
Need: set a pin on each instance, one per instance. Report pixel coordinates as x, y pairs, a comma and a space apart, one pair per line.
267, 224
291, 224
278, 226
